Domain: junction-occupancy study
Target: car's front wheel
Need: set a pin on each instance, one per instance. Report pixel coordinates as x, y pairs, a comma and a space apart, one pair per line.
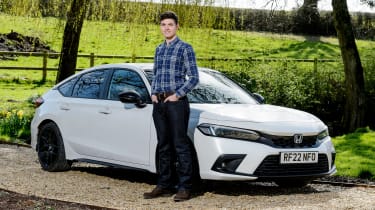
51, 152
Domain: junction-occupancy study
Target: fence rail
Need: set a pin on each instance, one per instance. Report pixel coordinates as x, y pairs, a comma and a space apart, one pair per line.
45, 56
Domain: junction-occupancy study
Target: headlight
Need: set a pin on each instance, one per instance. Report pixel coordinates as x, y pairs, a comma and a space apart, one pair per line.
228, 132
322, 134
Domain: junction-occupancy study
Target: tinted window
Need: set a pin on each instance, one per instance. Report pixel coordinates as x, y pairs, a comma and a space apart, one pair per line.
89, 85
66, 88
127, 80
215, 88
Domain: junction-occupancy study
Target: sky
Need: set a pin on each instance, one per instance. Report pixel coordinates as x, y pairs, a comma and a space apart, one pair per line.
353, 5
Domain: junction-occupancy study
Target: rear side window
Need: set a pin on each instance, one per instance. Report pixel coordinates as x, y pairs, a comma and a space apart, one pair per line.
90, 85
66, 88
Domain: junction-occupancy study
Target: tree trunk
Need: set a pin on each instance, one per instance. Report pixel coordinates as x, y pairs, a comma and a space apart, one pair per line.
354, 116
72, 32
307, 18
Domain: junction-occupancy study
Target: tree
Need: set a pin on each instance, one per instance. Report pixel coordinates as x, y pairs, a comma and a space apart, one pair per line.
307, 18
72, 33
354, 115
355, 107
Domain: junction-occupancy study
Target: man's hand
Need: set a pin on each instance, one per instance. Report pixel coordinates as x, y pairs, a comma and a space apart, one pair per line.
154, 99
172, 98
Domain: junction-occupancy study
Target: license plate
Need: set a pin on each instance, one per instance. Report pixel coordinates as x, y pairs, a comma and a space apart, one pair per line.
298, 157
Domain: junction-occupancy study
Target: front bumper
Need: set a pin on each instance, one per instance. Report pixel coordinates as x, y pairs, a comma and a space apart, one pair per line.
229, 159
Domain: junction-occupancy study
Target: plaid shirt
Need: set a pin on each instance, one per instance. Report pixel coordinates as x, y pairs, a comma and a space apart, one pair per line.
175, 68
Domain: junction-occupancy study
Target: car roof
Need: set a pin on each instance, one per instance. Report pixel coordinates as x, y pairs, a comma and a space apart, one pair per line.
123, 65
140, 66
145, 67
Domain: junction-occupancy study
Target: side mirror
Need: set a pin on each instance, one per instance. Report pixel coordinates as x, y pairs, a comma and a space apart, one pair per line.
132, 97
259, 98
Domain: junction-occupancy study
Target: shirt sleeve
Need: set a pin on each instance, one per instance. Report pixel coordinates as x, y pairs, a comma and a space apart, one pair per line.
190, 66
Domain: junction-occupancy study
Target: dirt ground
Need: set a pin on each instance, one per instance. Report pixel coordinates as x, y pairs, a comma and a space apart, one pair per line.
95, 187
16, 201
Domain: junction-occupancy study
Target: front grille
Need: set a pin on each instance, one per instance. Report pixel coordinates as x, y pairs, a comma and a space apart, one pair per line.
288, 141
271, 167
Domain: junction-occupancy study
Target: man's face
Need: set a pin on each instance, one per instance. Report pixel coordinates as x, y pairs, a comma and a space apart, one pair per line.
168, 28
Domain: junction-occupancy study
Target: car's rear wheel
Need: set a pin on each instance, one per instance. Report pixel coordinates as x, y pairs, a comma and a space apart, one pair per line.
51, 152
293, 183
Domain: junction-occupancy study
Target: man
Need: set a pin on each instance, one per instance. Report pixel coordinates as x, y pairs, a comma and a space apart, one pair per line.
175, 74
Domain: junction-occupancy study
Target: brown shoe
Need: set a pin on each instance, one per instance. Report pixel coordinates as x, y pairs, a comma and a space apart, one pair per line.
182, 195
157, 192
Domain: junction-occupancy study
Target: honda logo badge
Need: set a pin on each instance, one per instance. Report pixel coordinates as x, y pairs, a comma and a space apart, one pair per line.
298, 138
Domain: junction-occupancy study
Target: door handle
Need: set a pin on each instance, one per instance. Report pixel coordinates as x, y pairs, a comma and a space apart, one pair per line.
105, 111
64, 106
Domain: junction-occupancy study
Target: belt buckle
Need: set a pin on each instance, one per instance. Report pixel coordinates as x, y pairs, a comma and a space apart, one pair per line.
161, 96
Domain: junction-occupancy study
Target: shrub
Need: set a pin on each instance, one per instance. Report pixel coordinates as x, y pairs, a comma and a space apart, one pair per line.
295, 85
15, 124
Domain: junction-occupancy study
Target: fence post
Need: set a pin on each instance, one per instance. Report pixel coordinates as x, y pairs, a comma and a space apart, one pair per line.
315, 65
286, 65
213, 62
45, 58
316, 74
133, 58
92, 57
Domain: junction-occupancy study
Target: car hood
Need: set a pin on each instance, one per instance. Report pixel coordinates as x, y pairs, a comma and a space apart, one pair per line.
267, 118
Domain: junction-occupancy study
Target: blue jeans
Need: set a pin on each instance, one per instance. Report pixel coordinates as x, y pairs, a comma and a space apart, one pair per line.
171, 122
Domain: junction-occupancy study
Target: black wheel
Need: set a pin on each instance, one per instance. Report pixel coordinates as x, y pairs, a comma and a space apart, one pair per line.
51, 152
293, 183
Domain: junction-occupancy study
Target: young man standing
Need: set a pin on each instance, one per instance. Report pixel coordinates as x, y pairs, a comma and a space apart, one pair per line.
175, 74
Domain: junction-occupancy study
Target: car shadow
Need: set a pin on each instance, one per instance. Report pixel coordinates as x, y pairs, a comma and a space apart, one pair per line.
131, 175
228, 188
237, 188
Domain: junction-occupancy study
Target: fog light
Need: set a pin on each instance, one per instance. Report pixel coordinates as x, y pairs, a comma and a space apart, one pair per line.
228, 163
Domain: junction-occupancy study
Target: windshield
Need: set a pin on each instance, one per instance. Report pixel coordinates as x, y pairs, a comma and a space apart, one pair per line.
215, 88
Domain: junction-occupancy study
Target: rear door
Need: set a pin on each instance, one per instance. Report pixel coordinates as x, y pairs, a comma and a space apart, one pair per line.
81, 119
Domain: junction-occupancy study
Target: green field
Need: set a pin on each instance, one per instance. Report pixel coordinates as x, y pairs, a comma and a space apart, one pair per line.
355, 153
126, 39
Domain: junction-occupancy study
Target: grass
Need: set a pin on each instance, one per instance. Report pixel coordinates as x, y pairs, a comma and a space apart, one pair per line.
126, 39
355, 154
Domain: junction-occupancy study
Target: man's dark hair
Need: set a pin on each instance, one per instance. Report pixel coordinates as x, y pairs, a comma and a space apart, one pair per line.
169, 15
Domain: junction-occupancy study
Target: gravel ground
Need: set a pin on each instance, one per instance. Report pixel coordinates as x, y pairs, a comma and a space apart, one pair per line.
88, 184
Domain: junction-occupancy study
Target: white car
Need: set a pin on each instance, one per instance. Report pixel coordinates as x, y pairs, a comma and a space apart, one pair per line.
103, 115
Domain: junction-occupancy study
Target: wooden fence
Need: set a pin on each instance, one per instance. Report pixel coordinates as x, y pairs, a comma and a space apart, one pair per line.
133, 58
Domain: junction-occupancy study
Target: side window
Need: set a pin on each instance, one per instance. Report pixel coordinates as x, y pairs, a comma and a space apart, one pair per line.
126, 80
66, 88
89, 85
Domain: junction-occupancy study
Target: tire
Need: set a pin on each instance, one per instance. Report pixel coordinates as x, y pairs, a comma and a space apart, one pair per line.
50, 148
293, 183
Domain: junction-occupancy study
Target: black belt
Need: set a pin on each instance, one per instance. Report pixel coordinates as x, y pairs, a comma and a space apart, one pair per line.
163, 96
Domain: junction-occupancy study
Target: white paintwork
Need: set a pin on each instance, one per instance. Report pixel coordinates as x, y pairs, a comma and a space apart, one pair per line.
117, 133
